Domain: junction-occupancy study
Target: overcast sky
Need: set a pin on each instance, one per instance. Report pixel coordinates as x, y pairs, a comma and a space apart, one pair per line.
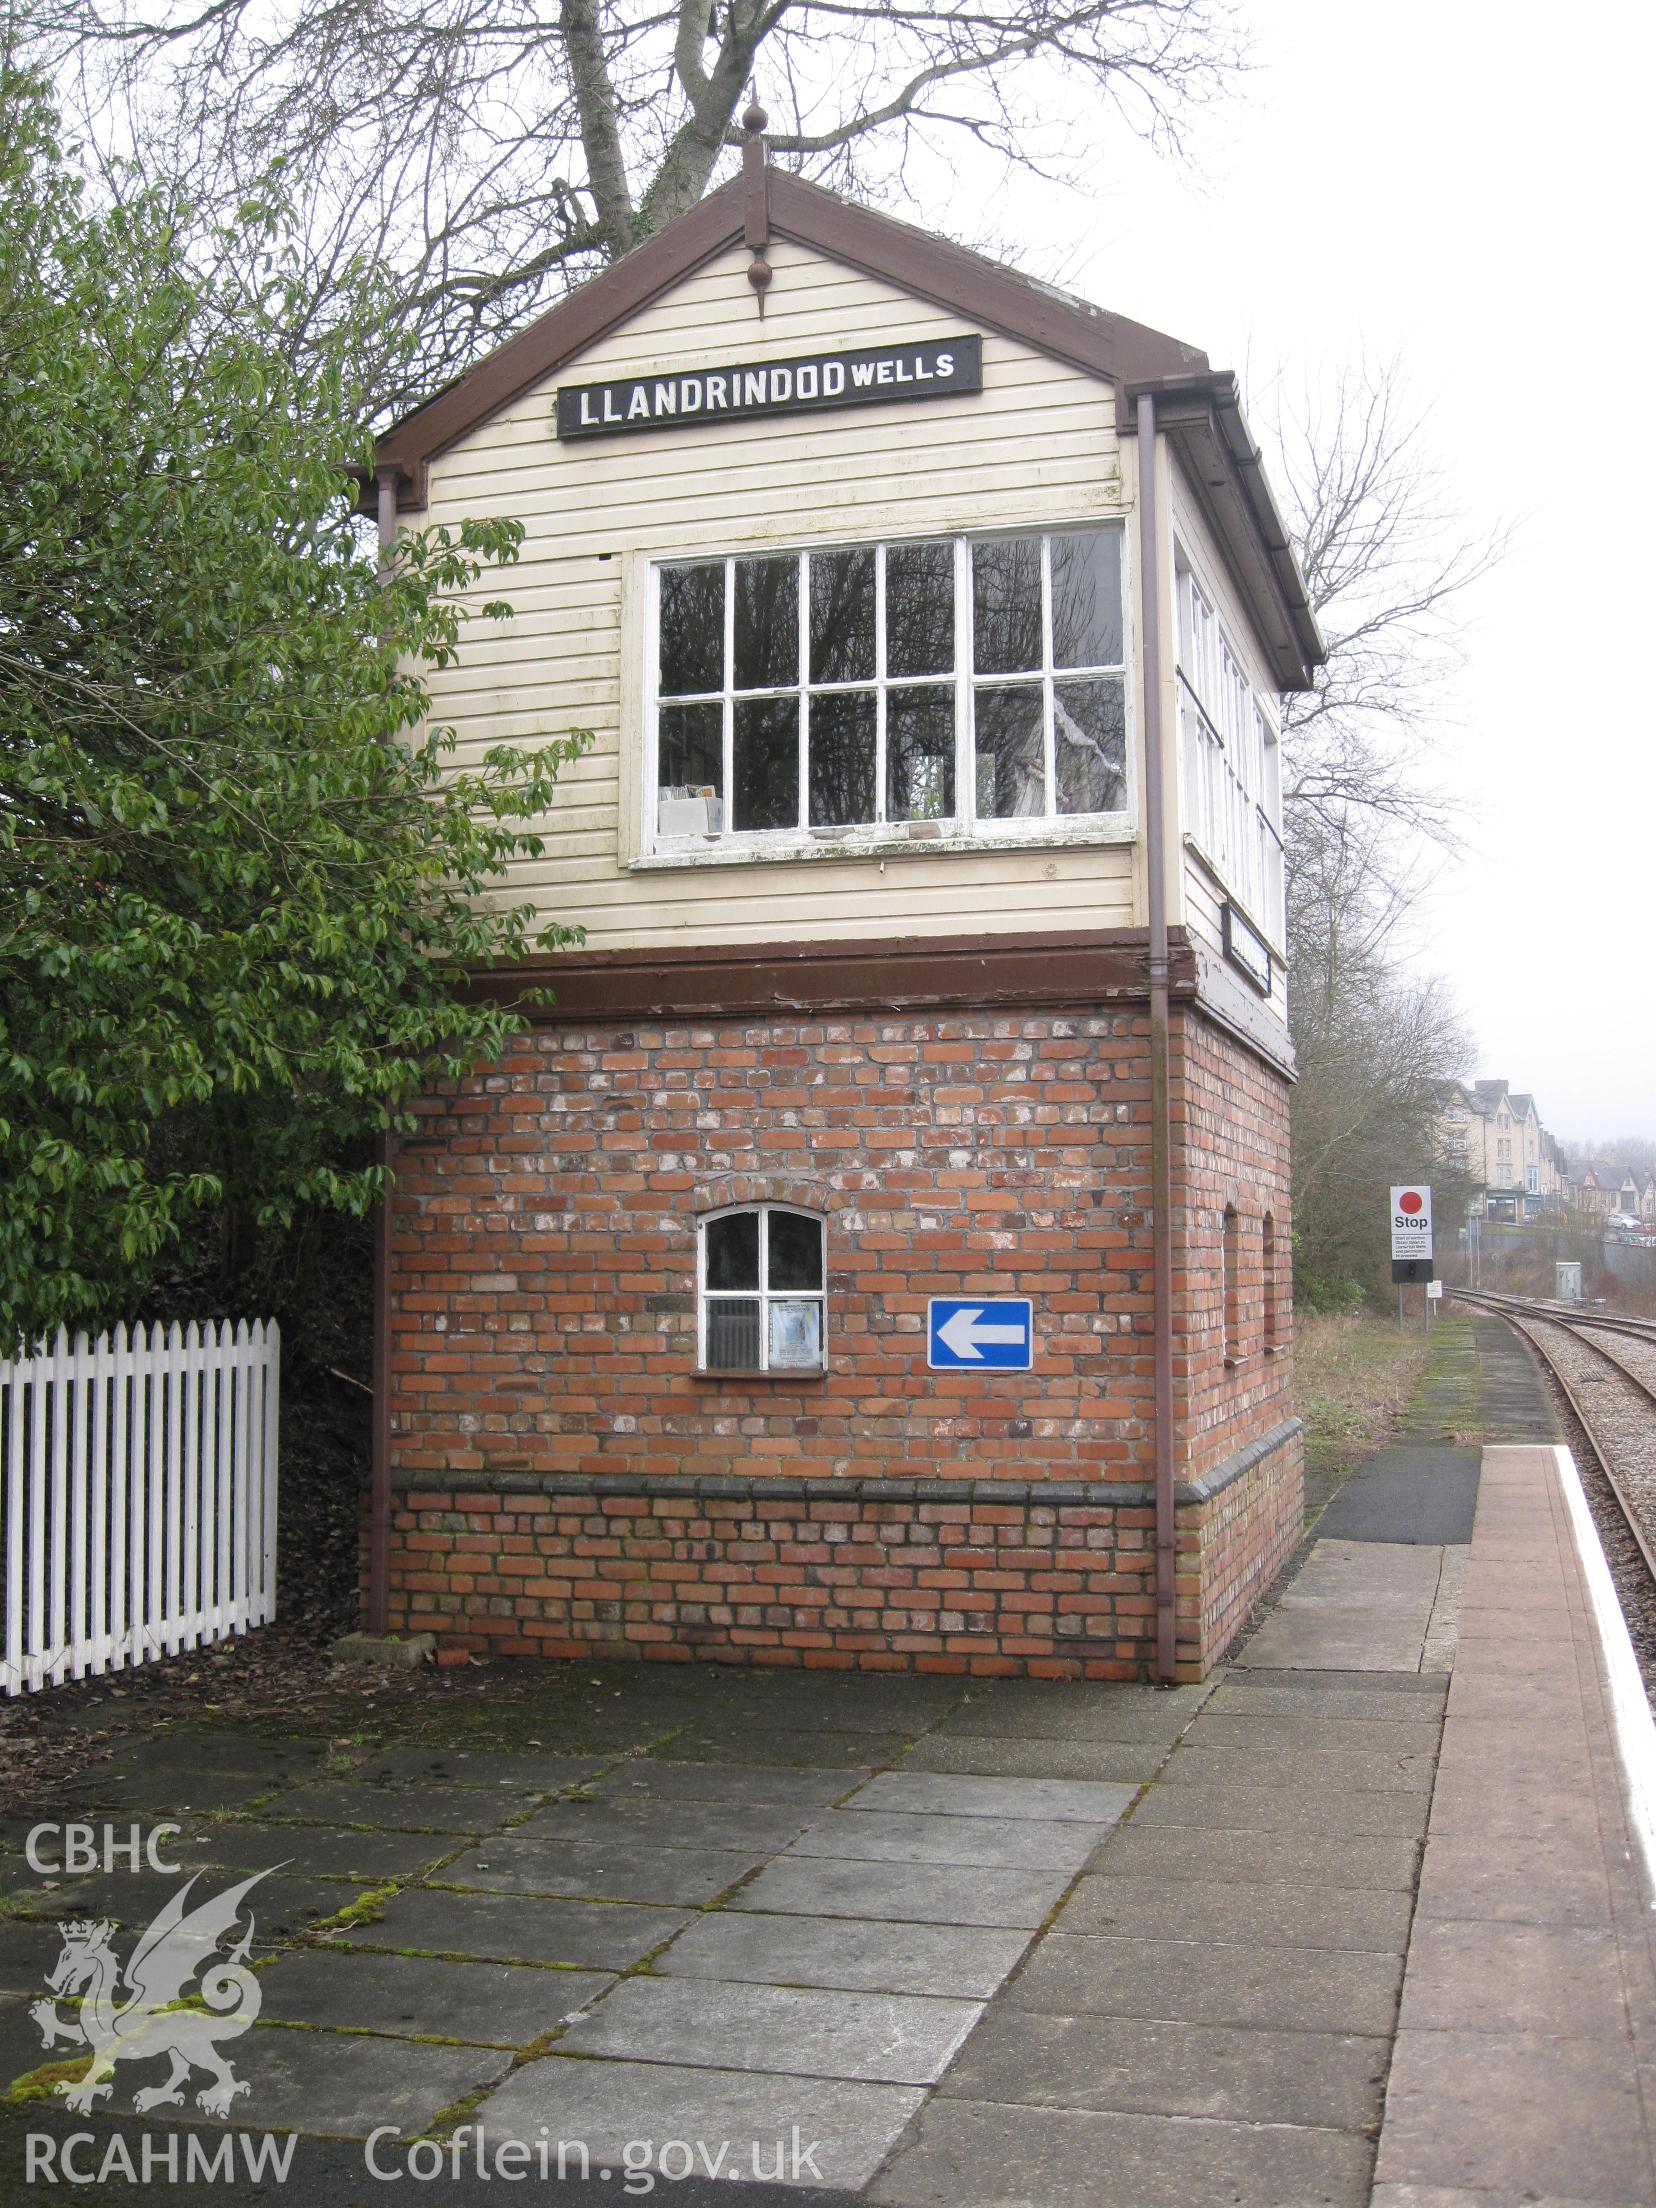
1468, 185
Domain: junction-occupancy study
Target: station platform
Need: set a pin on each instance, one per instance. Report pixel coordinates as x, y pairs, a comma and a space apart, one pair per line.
1364, 1921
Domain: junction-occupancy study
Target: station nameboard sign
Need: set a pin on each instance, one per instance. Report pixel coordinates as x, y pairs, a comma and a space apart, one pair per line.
869, 375
1411, 1233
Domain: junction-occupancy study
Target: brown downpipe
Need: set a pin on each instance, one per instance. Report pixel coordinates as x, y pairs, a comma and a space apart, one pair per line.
379, 1473
1161, 1130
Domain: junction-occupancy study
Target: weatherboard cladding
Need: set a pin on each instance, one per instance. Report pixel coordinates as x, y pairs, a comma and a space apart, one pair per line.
1037, 446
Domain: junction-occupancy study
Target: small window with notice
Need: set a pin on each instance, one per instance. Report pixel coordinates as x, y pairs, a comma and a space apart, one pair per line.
762, 1291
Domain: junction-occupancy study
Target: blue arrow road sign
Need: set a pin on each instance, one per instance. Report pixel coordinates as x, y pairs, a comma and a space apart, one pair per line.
962, 1333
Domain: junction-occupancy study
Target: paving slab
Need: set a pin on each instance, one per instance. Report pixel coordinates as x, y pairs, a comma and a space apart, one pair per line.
1256, 1915
992, 1756
912, 1893
457, 1809
957, 1961
272, 1756
1291, 1989
316, 1851
1274, 1733
341, 2085
21, 2046
1257, 1858
1269, 1694
883, 2038
1356, 1605
1077, 1711
591, 1822
1284, 1809
504, 1928
533, 1865
985, 2155
1522, 2113
649, 1779
808, 1749
1558, 1979
1137, 2064
482, 1767
282, 1905
411, 1996
1315, 1771
996, 1843
1325, 1680
928, 1794
166, 1791
757, 2117
27, 1951
1519, 1880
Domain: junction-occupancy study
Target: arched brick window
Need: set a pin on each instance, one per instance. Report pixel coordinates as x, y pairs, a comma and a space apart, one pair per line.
761, 1297
1230, 1258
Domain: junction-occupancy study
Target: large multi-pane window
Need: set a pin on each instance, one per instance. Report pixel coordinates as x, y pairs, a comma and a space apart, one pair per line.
1232, 763
978, 682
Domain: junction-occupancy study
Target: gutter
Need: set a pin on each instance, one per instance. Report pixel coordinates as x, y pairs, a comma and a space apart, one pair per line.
1161, 1127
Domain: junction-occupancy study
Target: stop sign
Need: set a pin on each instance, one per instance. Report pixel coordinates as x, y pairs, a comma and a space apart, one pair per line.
1411, 1223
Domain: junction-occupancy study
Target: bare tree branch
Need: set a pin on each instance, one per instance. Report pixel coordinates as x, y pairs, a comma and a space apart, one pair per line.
484, 154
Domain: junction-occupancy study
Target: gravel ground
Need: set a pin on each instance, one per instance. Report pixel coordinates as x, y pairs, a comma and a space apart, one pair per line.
1624, 1420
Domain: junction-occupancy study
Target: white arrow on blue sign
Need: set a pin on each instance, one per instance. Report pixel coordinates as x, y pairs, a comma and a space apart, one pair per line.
962, 1333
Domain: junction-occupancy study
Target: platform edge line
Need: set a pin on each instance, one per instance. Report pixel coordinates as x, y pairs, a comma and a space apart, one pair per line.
1635, 1728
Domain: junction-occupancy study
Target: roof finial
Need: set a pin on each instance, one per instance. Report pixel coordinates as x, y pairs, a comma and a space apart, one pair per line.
756, 193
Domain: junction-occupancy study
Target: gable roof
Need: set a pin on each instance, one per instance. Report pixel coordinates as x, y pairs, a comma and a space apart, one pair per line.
1199, 408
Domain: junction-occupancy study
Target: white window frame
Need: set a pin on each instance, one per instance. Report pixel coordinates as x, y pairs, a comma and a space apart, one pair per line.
763, 1295
1230, 749
964, 826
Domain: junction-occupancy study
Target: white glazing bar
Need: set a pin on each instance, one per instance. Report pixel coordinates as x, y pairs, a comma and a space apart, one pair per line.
728, 815
802, 639
965, 709
881, 663
1049, 733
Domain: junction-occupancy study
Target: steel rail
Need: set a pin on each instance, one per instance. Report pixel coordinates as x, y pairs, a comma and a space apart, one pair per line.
1565, 1314
1507, 1308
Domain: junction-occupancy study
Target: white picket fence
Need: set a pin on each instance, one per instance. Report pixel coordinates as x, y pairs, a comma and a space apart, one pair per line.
138, 1477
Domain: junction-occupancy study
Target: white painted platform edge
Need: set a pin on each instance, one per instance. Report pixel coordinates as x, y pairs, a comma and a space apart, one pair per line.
1635, 1727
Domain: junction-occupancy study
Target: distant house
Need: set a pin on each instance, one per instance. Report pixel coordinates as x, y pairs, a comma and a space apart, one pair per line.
1494, 1135
1599, 1190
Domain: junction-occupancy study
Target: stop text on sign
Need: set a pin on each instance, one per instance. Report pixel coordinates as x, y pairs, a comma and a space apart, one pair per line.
1411, 1222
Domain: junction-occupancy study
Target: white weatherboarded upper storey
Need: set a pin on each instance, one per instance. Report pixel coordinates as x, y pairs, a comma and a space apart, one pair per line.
1038, 449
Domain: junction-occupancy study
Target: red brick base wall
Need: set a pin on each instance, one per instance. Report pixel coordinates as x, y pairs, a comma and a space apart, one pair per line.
1054, 1589
567, 1483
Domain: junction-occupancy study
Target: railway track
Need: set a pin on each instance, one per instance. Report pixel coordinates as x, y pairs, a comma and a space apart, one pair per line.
1606, 1368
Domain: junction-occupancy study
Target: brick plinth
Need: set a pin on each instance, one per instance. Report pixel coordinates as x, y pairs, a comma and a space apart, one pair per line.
567, 1483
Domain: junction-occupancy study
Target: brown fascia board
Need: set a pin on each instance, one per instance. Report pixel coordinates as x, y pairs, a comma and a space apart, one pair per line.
1201, 416
1085, 337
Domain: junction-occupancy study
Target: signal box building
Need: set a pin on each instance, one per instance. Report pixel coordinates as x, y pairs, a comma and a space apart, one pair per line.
877, 1254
